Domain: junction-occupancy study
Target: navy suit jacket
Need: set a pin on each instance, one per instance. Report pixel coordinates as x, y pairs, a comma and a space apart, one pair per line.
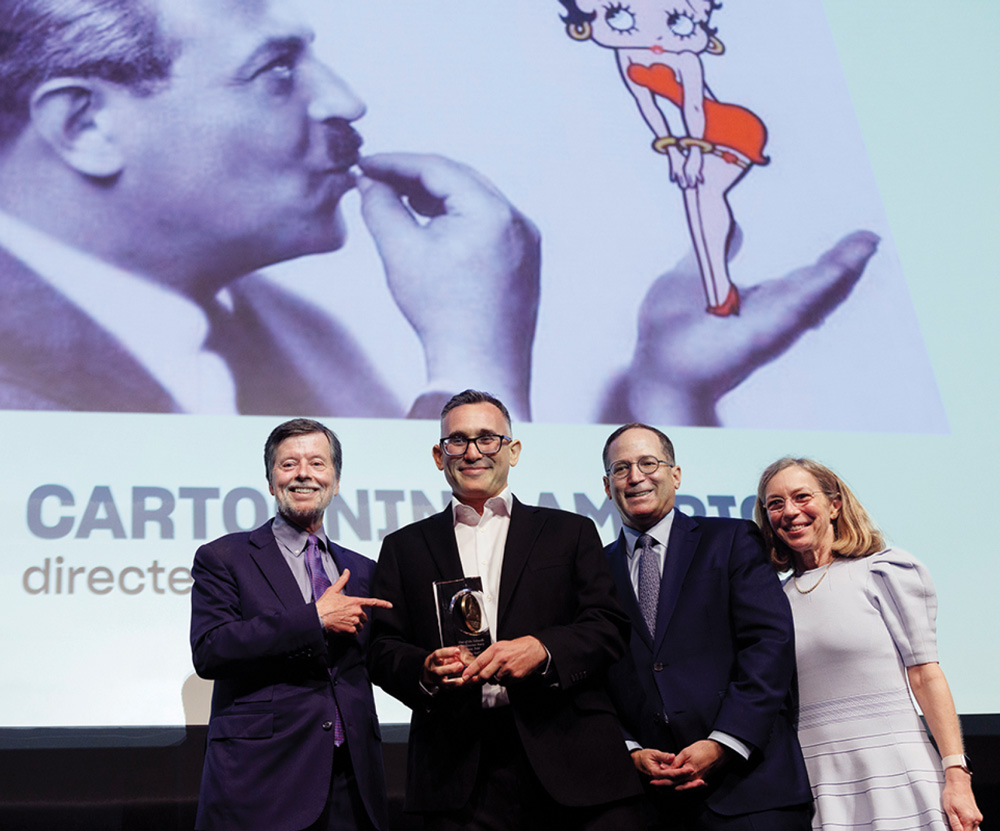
722, 658
277, 677
554, 584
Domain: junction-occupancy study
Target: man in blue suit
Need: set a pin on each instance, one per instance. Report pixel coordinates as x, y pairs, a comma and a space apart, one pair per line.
278, 621
704, 690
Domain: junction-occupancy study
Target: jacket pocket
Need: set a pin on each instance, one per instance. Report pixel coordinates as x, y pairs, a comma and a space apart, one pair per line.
242, 726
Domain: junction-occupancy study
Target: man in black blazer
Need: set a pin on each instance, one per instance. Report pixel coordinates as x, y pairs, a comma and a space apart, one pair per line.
524, 735
704, 691
278, 621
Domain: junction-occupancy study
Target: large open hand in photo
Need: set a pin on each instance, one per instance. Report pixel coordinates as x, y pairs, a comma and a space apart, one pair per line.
685, 360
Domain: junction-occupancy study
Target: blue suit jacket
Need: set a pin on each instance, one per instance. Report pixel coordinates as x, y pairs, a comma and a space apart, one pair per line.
277, 676
722, 658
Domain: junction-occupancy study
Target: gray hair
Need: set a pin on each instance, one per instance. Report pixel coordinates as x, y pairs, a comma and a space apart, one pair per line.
665, 443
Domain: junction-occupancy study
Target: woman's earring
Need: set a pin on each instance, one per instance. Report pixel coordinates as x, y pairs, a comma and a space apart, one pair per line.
579, 31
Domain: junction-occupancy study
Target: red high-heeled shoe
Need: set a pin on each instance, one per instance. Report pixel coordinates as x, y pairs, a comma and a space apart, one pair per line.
729, 306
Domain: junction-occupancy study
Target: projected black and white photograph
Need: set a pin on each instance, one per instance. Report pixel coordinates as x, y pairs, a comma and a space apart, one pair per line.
652, 213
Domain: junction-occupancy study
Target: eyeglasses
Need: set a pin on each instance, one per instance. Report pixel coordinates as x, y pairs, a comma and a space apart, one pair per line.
487, 445
647, 465
799, 500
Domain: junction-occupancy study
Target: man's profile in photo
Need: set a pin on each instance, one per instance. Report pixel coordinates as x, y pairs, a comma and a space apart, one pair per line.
154, 154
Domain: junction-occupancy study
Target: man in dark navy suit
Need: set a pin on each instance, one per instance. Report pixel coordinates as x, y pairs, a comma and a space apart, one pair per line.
278, 621
704, 690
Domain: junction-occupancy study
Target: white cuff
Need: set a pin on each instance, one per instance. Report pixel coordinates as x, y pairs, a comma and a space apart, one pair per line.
731, 742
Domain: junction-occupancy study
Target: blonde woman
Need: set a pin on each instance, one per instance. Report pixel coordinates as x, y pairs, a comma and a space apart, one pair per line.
864, 639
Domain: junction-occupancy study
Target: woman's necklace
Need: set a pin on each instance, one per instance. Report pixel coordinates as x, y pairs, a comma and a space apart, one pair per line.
813, 587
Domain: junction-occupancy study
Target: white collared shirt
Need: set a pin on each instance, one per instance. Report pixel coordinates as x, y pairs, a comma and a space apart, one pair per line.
163, 330
481, 540
661, 536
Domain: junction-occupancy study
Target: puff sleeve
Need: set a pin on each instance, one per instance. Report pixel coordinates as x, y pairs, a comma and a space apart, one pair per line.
900, 587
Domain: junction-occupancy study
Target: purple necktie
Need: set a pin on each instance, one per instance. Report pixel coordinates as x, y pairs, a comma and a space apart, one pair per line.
649, 582
320, 583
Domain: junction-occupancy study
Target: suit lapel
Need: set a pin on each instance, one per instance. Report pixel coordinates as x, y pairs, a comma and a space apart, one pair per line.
288, 357
54, 356
265, 552
439, 535
626, 593
342, 558
684, 537
525, 525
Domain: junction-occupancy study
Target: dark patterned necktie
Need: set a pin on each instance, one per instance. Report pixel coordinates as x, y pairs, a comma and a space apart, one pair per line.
649, 581
320, 583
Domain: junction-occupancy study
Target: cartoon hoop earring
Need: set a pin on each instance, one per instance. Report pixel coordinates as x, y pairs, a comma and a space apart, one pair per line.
579, 31
715, 46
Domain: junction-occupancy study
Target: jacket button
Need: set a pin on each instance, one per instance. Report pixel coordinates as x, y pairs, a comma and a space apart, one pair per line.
327, 725
657, 667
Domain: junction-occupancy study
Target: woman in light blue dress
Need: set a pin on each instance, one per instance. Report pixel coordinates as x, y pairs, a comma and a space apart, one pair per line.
864, 640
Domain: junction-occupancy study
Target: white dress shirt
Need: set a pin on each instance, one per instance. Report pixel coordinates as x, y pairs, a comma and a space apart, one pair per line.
481, 540
660, 534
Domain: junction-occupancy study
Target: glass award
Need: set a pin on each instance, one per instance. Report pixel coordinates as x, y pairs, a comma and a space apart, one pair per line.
461, 612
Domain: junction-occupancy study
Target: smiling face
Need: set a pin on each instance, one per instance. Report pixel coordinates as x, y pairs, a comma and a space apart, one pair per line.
642, 499
669, 25
303, 480
806, 528
473, 477
244, 155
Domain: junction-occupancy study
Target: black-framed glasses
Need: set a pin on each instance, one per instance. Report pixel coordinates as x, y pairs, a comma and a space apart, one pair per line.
487, 445
647, 465
777, 504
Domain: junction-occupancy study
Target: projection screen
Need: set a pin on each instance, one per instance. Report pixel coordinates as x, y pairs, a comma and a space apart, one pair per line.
861, 250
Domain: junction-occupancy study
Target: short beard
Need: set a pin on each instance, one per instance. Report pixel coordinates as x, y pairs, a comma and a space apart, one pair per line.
303, 519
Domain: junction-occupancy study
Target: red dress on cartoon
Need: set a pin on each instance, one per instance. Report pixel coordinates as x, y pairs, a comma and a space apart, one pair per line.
727, 126
659, 45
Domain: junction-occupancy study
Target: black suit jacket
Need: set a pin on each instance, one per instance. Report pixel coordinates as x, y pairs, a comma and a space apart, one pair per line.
277, 679
554, 585
722, 658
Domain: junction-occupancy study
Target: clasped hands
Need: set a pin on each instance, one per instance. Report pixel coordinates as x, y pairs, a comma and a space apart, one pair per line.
342, 613
500, 663
683, 771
